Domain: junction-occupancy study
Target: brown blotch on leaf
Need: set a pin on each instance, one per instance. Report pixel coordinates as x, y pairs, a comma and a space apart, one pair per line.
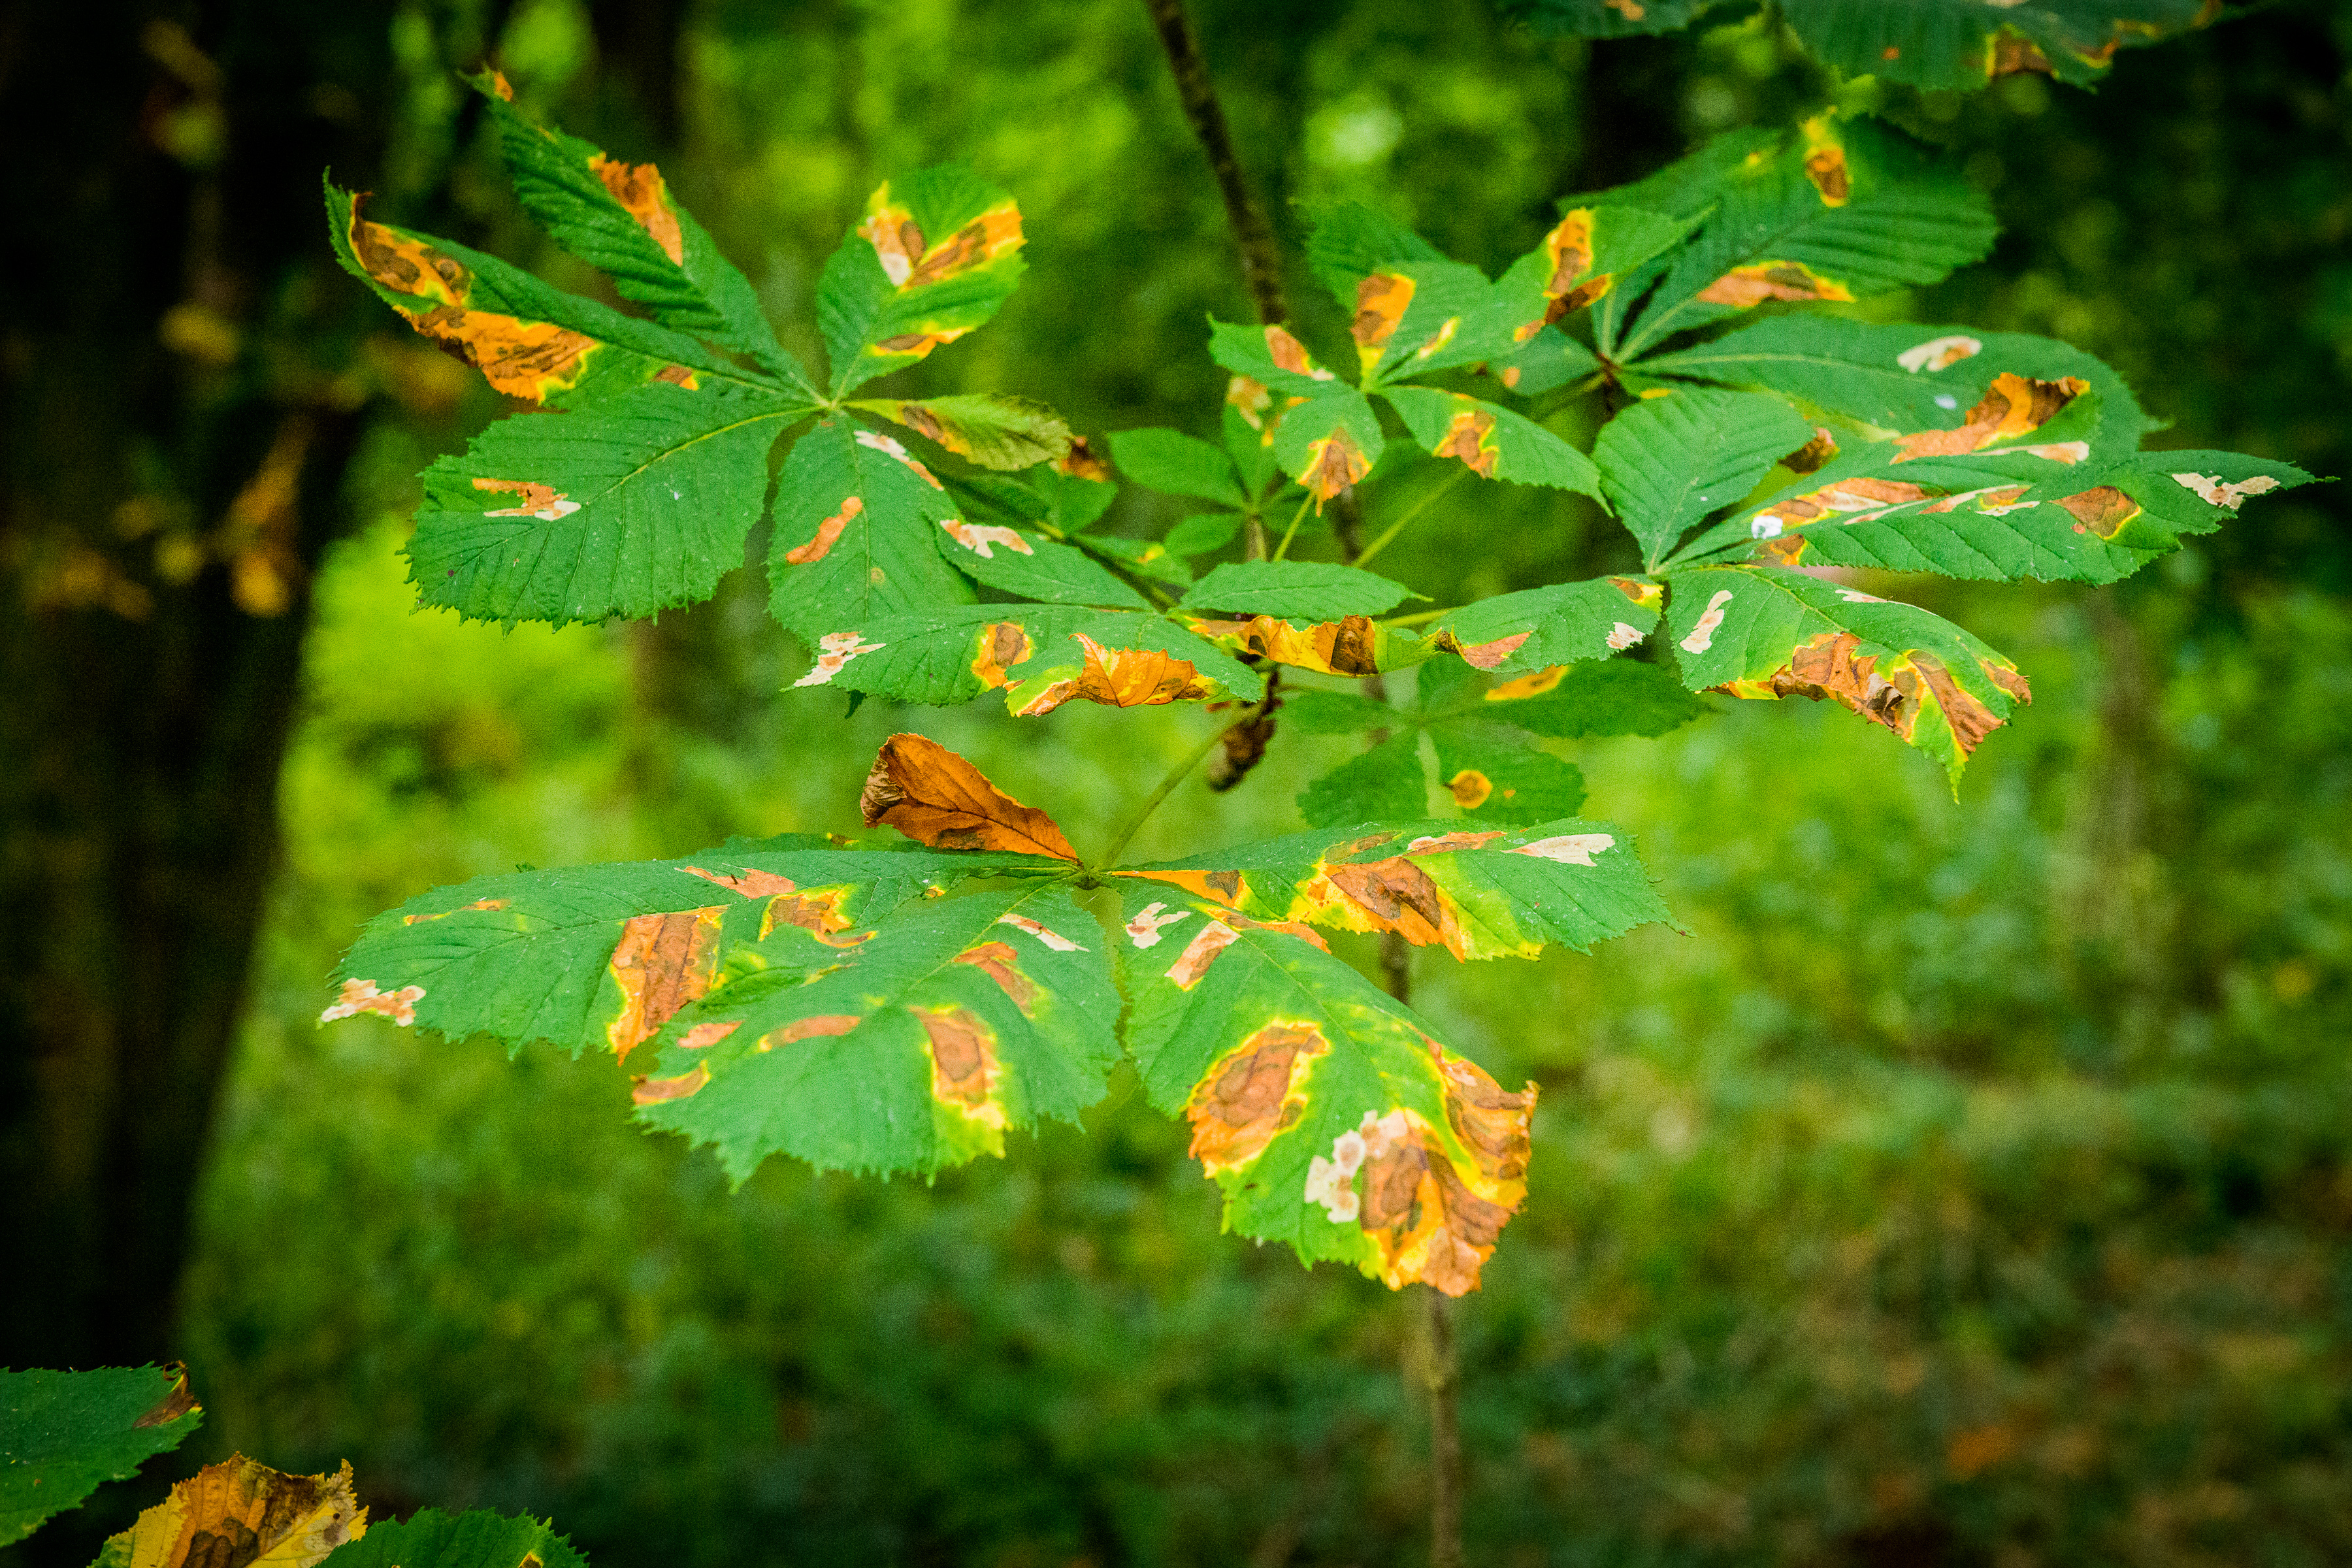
638, 188
994, 234
1813, 454
1828, 666
1381, 300
237, 1512
1121, 678
1492, 1122
750, 883
1346, 647
1396, 895
2012, 56
662, 963
1333, 464
1250, 1095
1469, 436
2013, 405
827, 531
1762, 281
1825, 167
654, 1091
1000, 963
934, 796
1083, 462
964, 1058
809, 1028
1003, 645
2102, 510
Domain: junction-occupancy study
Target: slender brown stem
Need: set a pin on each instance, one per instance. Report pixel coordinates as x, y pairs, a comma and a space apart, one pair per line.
1261, 262
1445, 1434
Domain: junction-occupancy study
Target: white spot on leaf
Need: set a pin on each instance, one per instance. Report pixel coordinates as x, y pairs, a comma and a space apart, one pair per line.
1702, 635
1624, 634
1569, 848
1764, 525
1054, 939
1946, 400
1145, 928
836, 650
2213, 492
1939, 353
362, 996
983, 539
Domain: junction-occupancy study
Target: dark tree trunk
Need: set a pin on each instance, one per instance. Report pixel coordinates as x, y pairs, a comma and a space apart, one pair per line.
173, 447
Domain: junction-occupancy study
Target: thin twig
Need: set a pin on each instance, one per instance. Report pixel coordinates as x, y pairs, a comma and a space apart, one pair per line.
1282, 550
1389, 533
1151, 802
1261, 261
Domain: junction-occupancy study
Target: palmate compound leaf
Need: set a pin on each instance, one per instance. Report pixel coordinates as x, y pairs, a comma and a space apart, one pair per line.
63, 1434
1842, 211
431, 1538
637, 503
529, 340
899, 1009
936, 254
240, 1512
1946, 44
620, 218
1328, 1114
1763, 632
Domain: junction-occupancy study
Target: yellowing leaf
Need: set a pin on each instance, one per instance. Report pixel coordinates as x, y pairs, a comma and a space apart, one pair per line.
237, 1512
934, 796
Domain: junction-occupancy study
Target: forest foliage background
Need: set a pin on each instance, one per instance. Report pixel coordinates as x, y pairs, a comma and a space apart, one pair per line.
1970, 1185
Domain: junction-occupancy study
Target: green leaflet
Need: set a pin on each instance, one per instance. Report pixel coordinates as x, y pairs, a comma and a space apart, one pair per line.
1278, 1054
64, 1434
619, 218
1329, 442
1176, 464
599, 957
529, 340
860, 534
1034, 567
1937, 44
1611, 697
1496, 775
1545, 362
1294, 590
935, 256
1898, 378
636, 503
1668, 462
1381, 783
912, 1049
480, 1539
989, 428
1203, 533
1270, 357
1150, 557
1538, 627
1759, 632
1492, 442
1594, 247
1842, 211
1040, 656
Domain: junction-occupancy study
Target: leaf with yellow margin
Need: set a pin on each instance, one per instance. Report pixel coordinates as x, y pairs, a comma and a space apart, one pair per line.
241, 1512
936, 254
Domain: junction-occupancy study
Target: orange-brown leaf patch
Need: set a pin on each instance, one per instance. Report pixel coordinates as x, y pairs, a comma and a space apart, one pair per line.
1482, 654
1436, 1223
1762, 281
809, 1028
662, 963
1002, 644
1000, 963
1122, 677
177, 1400
964, 1068
445, 914
1345, 647
2102, 510
704, 1035
521, 359
1200, 952
1845, 497
826, 533
1471, 788
1226, 888
2013, 406
1333, 464
1825, 162
818, 912
1291, 355
1470, 435
751, 884
934, 796
1251, 400
639, 189
1828, 666
1392, 894
542, 502
1256, 1091
1083, 462
1381, 300
654, 1091
1534, 685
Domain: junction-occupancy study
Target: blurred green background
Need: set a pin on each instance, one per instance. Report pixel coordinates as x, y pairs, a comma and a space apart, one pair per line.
1970, 1185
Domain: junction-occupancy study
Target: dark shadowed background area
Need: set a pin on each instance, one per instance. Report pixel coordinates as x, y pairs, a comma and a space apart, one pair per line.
1970, 1185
